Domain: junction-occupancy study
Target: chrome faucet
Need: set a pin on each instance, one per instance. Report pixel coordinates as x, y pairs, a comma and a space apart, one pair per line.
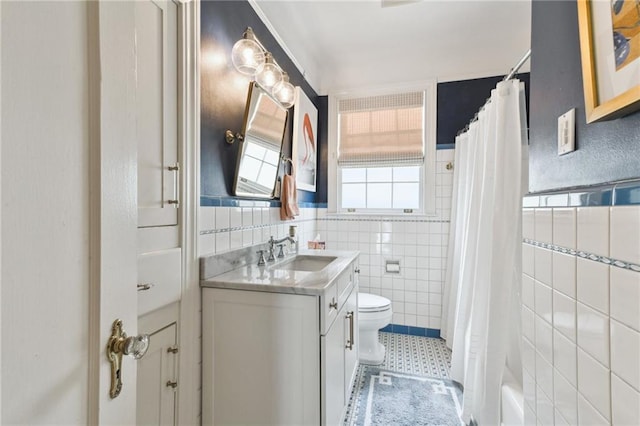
273, 243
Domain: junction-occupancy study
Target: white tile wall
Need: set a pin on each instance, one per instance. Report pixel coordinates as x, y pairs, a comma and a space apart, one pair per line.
564, 273
564, 315
593, 374
593, 284
230, 228
625, 353
593, 230
594, 383
419, 244
564, 228
625, 402
593, 333
625, 297
625, 245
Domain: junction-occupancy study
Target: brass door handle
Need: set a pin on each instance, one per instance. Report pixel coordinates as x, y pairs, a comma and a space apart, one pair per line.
120, 344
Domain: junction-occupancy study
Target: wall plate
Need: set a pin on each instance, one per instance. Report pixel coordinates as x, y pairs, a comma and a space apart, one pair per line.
567, 132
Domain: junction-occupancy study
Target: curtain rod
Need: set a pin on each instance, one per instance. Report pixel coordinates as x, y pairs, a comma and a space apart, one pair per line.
519, 65
507, 77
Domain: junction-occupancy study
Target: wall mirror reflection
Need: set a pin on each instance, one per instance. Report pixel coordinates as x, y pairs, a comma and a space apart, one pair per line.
259, 155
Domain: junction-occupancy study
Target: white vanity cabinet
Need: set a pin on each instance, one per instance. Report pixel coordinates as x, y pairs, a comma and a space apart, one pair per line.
339, 346
272, 358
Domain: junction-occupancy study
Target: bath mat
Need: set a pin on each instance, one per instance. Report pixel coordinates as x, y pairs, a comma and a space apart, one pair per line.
391, 398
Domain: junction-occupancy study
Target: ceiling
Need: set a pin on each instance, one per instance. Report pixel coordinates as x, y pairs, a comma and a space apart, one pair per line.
350, 44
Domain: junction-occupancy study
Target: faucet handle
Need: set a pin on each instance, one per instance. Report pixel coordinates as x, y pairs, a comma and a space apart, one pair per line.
261, 260
271, 257
281, 252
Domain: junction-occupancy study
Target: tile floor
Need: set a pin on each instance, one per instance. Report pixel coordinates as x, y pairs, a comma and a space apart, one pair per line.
425, 356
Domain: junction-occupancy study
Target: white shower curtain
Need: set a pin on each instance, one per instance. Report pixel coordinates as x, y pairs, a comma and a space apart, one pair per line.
482, 281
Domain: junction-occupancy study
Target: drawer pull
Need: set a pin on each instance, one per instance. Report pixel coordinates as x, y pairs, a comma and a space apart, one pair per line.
172, 385
172, 350
333, 304
350, 317
145, 287
176, 183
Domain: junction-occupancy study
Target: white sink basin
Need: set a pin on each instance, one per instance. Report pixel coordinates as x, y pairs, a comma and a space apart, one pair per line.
305, 263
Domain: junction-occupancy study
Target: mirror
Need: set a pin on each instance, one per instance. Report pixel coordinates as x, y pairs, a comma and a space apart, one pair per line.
259, 155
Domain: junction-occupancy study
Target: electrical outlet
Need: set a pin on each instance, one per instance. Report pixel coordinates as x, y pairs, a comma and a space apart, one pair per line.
567, 132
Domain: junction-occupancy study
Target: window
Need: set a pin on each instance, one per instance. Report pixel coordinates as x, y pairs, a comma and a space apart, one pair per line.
383, 151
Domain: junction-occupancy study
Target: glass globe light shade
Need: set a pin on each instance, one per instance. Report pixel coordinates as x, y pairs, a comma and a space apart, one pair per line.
269, 74
247, 56
284, 91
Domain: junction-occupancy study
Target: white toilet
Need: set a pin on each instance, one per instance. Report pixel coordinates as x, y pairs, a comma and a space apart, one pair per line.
374, 313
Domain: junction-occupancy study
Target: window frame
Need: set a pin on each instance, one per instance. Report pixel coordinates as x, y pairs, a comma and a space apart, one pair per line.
428, 168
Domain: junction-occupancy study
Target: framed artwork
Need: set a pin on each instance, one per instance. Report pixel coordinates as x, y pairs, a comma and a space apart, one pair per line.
610, 51
305, 141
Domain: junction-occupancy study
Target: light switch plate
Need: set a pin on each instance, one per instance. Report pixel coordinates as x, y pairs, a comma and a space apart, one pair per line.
567, 132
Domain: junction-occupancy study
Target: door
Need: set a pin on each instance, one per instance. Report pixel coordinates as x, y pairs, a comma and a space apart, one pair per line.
112, 203
157, 380
68, 209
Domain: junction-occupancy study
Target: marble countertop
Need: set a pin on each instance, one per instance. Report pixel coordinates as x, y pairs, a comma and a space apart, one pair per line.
271, 279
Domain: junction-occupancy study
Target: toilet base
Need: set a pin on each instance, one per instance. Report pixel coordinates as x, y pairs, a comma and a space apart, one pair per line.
371, 351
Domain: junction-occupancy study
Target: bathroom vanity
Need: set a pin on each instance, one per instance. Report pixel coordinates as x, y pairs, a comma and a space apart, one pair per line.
279, 341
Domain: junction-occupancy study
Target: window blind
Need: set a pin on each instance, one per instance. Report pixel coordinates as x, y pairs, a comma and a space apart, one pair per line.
381, 130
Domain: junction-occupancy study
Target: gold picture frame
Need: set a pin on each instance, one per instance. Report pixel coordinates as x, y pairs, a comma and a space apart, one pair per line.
626, 96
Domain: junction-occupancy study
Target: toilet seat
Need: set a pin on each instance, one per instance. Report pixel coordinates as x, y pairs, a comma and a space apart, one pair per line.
372, 303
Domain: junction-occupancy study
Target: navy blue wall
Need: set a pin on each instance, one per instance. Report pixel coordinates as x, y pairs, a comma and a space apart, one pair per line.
224, 93
458, 101
607, 151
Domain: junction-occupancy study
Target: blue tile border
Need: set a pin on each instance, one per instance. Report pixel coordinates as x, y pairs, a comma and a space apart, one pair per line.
206, 201
445, 146
616, 194
413, 331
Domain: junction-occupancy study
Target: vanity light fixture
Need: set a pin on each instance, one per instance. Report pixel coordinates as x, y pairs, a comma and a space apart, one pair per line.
251, 58
284, 92
269, 74
247, 54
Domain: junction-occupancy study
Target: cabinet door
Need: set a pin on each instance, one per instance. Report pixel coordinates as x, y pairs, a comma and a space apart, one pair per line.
156, 399
351, 341
157, 111
260, 358
333, 373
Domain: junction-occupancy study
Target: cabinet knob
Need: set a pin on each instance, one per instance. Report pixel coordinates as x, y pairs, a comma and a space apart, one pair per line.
172, 385
172, 350
333, 304
357, 270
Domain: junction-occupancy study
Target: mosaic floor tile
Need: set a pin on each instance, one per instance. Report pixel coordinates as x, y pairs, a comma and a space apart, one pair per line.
425, 356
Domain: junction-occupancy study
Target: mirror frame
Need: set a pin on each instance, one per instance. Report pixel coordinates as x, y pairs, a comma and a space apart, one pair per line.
253, 89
